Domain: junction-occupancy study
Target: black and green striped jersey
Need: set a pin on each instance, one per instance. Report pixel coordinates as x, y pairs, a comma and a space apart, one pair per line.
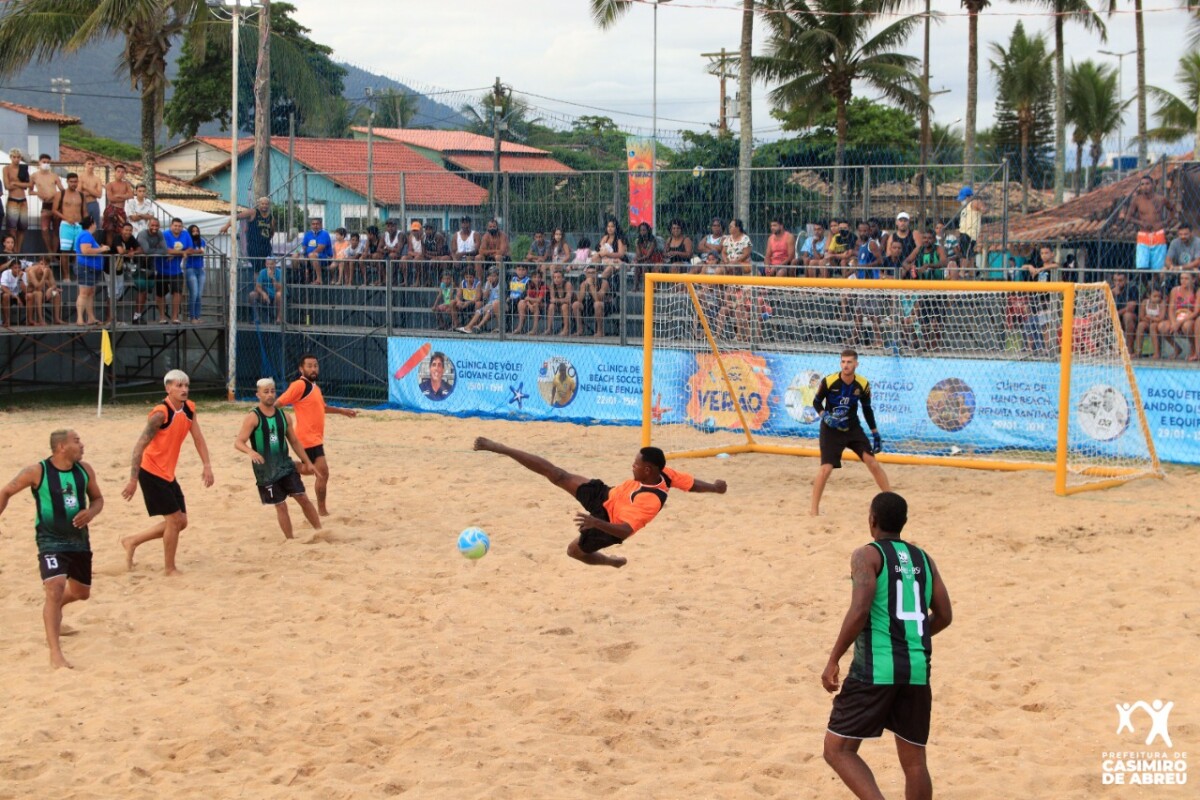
269, 440
58, 497
895, 645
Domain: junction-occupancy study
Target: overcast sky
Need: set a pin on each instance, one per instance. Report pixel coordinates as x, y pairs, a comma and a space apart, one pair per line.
551, 48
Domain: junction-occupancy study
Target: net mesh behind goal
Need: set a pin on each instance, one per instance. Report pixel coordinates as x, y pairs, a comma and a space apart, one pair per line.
960, 374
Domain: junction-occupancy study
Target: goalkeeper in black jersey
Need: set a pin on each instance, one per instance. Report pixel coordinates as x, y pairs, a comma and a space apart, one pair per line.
837, 401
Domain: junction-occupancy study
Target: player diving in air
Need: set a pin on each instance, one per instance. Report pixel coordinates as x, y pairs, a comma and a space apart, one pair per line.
613, 513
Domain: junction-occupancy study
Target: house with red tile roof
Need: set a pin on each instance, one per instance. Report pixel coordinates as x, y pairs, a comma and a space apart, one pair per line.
470, 152
332, 180
31, 130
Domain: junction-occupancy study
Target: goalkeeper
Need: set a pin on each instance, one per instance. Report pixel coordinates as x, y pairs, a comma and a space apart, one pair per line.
837, 401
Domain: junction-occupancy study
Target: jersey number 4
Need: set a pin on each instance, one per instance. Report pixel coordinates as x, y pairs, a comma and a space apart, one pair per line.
916, 615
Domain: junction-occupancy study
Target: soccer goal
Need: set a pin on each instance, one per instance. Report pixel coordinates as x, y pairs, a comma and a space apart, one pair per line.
980, 375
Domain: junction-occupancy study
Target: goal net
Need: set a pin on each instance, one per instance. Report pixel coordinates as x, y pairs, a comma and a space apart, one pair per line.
980, 375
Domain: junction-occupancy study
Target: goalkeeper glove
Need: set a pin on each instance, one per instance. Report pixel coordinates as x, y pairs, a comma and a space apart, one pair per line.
839, 423
877, 441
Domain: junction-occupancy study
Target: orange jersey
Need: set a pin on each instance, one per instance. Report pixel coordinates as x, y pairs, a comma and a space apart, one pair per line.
635, 503
305, 396
162, 454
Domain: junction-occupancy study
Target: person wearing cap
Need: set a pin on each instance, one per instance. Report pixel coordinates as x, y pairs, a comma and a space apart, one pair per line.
904, 235
414, 255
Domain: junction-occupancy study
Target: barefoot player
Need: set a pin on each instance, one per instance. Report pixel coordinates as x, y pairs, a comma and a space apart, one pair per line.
265, 436
67, 497
306, 397
899, 603
155, 457
837, 401
614, 514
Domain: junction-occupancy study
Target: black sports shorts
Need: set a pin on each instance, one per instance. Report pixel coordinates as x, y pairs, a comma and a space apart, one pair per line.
162, 497
833, 442
863, 710
591, 496
278, 492
314, 453
75, 565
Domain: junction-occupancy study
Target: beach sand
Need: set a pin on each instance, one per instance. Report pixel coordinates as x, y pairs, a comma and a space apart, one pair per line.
372, 660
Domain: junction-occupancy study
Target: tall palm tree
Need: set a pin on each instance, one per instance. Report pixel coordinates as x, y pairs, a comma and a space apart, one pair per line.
1140, 47
1094, 108
817, 50
41, 30
1076, 11
1022, 72
974, 7
605, 14
1177, 116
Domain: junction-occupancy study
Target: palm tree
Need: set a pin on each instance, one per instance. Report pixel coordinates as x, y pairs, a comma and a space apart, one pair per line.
1064, 10
41, 30
395, 109
816, 51
1022, 72
1177, 116
515, 123
974, 7
1093, 107
1140, 35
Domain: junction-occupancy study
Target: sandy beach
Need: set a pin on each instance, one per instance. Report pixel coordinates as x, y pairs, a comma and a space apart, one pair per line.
372, 660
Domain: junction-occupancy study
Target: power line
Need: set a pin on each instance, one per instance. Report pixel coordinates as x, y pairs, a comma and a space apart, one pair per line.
897, 13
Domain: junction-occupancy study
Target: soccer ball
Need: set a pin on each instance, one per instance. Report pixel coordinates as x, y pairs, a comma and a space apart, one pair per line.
473, 543
698, 171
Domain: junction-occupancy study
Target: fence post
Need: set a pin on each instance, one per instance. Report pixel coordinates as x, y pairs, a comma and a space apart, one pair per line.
305, 220
866, 182
616, 199
505, 208
387, 289
403, 226
502, 314
1004, 220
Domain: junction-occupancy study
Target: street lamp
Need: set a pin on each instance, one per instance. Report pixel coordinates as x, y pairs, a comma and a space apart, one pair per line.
61, 86
233, 10
1120, 57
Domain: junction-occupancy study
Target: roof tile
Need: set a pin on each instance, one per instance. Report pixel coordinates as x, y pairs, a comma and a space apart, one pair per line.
41, 114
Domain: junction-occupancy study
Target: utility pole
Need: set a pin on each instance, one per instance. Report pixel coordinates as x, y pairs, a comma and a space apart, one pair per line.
718, 66
62, 88
497, 110
372, 95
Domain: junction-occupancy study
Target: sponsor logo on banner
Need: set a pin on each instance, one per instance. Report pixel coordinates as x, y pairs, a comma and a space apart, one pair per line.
710, 403
435, 376
1103, 413
798, 399
951, 404
1167, 767
558, 382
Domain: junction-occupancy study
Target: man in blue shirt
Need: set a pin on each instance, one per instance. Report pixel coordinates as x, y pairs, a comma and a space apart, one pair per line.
318, 247
170, 269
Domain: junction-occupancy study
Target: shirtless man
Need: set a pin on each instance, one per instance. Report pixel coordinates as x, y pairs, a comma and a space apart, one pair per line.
68, 210
41, 287
116, 192
92, 187
16, 209
1147, 209
47, 185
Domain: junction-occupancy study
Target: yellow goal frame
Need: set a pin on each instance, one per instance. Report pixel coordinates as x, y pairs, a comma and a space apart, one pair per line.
1111, 476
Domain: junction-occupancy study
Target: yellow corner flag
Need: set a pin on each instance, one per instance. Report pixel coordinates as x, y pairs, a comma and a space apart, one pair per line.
106, 351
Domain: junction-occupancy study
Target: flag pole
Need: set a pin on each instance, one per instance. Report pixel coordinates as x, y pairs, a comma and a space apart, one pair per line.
100, 389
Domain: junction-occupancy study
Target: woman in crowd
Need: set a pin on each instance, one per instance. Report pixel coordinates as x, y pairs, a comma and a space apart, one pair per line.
194, 273
560, 251
89, 269
611, 249
560, 295
736, 250
678, 250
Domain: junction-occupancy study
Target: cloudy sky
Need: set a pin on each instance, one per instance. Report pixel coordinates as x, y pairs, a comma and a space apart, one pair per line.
551, 48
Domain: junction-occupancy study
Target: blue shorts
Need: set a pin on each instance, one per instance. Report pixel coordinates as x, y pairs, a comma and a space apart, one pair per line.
68, 232
1151, 256
86, 276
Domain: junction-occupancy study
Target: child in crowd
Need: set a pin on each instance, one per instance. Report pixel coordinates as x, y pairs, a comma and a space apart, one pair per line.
445, 315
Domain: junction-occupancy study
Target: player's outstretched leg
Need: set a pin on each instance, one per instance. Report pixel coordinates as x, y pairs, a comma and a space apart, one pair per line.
310, 511
556, 475
596, 559
877, 472
917, 783
823, 473
842, 755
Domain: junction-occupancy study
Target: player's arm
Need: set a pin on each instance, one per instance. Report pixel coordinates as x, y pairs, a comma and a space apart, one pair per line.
202, 449
819, 397
716, 487
345, 412
152, 425
939, 604
297, 448
622, 530
95, 498
290, 395
869, 416
241, 442
26, 479
865, 564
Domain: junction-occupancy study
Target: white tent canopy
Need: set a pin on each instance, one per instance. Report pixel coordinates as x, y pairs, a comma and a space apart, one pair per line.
209, 223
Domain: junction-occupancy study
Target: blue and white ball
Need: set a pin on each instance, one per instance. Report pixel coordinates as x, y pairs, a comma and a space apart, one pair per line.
473, 543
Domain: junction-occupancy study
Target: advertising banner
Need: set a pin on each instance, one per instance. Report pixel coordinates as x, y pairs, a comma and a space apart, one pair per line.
949, 405
640, 152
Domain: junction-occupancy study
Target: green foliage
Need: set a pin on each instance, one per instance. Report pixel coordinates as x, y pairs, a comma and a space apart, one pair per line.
1093, 107
869, 124
1025, 99
1175, 115
304, 79
81, 137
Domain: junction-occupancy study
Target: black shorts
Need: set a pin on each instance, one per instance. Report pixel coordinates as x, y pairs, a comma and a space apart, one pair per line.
77, 566
163, 498
863, 710
833, 442
314, 453
591, 496
169, 284
278, 492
